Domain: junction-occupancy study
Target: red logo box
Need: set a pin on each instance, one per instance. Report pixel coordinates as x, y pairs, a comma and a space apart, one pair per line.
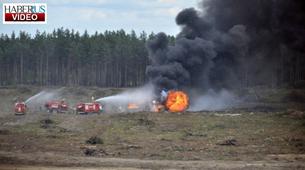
24, 13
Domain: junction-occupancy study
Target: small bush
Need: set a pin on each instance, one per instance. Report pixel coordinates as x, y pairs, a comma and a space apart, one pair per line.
4, 132
90, 152
94, 140
145, 122
46, 123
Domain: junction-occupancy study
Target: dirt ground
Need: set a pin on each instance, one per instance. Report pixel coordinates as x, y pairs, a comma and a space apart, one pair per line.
268, 136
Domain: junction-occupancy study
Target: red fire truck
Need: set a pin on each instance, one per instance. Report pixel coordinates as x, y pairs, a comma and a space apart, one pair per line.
56, 106
85, 108
20, 108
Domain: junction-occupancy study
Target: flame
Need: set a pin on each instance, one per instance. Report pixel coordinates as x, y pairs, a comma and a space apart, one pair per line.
177, 101
132, 106
158, 108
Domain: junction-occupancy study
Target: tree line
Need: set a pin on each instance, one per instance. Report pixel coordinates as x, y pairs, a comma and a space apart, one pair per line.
109, 59
67, 58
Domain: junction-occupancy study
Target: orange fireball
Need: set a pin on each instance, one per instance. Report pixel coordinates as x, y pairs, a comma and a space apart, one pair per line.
177, 101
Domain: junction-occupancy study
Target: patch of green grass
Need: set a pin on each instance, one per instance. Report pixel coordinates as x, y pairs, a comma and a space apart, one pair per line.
179, 137
30, 128
45, 127
170, 136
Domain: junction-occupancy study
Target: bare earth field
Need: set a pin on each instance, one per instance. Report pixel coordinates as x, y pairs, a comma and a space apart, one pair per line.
271, 136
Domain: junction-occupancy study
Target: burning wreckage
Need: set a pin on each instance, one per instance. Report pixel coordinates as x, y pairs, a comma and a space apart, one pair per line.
172, 101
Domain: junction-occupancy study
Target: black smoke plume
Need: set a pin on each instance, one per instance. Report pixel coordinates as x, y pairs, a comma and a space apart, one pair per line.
229, 44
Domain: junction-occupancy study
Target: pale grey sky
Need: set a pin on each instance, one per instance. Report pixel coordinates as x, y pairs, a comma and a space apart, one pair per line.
101, 15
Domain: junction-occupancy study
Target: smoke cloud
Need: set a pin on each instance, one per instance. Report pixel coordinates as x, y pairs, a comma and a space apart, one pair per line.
228, 44
213, 101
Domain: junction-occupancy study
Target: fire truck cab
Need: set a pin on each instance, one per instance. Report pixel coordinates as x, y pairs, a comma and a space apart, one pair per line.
85, 108
56, 106
20, 108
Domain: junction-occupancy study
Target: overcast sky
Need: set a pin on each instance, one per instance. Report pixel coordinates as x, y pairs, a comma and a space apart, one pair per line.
100, 15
